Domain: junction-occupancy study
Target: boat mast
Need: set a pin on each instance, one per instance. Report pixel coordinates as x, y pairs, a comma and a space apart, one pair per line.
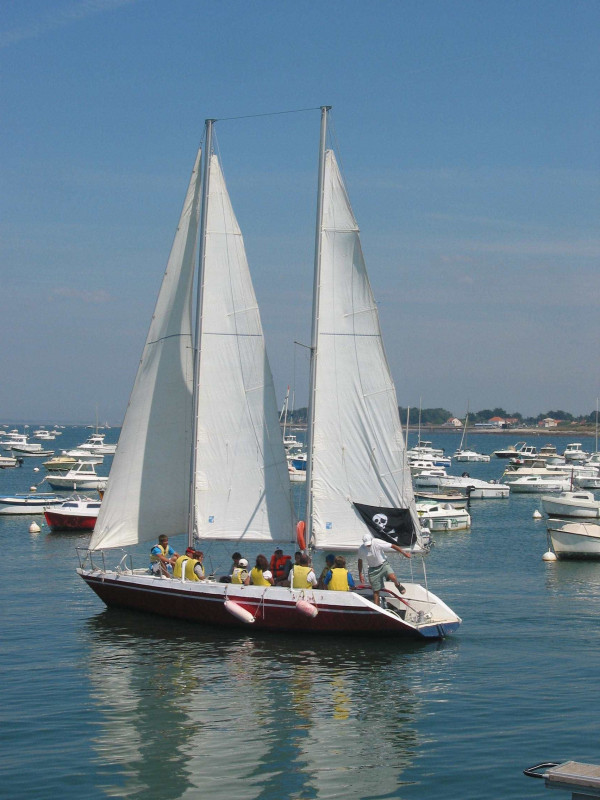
315, 326
206, 156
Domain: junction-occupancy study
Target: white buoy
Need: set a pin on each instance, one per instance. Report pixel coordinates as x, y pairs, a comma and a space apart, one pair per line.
239, 611
536, 514
549, 556
33, 488
34, 528
306, 608
36, 469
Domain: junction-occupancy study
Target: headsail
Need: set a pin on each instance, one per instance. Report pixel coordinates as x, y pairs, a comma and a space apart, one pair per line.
242, 483
149, 480
358, 447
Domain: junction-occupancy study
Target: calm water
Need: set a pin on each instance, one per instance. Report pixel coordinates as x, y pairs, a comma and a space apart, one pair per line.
102, 704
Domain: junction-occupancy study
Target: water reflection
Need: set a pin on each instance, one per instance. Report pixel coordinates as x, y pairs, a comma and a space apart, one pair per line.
184, 711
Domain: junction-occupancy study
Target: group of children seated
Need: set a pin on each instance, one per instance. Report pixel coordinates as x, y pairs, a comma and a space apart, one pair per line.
280, 571
299, 574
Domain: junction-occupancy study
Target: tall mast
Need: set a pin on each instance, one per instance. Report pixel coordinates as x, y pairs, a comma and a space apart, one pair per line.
315, 326
206, 156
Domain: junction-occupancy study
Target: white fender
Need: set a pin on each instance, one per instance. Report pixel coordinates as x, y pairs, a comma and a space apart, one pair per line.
306, 608
239, 611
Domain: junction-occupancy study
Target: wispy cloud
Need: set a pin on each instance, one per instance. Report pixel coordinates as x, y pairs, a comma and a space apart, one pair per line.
95, 297
59, 18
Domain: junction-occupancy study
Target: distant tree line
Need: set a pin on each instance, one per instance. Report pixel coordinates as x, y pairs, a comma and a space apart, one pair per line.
438, 416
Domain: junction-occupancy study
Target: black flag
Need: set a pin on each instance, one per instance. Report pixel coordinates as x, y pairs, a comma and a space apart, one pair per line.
394, 525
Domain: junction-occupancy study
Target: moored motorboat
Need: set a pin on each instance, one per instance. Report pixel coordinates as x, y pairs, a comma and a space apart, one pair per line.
60, 464
96, 444
575, 540
30, 450
31, 503
574, 452
443, 517
82, 476
541, 483
572, 504
9, 461
512, 451
476, 489
471, 455
74, 513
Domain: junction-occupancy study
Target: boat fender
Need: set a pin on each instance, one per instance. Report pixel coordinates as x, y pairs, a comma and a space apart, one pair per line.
306, 608
300, 528
239, 611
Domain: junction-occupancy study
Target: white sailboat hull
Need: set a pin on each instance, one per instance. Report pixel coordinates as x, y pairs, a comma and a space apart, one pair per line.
418, 614
576, 540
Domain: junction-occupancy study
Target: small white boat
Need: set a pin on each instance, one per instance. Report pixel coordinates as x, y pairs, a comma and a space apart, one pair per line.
30, 450
572, 504
476, 489
576, 540
443, 517
457, 500
96, 444
424, 451
512, 451
541, 483
587, 481
9, 461
83, 476
429, 477
8, 438
84, 455
471, 455
573, 452
32, 503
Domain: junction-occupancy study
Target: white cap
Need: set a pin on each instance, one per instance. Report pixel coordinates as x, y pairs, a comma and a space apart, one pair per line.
242, 562
367, 539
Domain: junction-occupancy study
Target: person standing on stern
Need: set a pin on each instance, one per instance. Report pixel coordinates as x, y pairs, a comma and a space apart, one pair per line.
373, 551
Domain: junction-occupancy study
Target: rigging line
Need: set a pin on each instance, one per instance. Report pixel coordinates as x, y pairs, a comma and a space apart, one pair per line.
269, 114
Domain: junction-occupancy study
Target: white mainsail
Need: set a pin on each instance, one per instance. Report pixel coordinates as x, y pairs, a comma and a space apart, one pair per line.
358, 447
242, 483
149, 480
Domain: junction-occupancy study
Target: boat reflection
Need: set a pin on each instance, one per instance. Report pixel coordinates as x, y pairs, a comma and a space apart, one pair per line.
183, 709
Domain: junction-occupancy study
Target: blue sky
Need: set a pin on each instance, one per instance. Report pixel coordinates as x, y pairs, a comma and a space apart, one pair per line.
468, 136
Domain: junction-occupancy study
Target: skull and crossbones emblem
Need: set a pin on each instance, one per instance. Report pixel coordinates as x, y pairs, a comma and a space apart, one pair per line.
381, 521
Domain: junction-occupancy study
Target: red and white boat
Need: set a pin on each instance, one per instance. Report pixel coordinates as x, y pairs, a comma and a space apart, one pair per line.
75, 513
201, 450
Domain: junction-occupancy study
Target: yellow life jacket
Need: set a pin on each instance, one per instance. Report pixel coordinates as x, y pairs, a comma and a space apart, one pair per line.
339, 580
239, 574
190, 574
256, 577
154, 556
300, 579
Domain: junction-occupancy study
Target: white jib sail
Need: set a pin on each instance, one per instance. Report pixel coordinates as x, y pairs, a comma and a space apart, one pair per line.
148, 488
242, 482
358, 447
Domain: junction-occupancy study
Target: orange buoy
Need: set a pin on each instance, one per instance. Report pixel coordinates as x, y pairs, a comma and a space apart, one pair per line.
300, 528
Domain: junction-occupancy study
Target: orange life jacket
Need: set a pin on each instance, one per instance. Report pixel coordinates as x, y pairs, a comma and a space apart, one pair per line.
278, 567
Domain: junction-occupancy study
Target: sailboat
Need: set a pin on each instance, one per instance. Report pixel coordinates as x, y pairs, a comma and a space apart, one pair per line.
204, 405
463, 453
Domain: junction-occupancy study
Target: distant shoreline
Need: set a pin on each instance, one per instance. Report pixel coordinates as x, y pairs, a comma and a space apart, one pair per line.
519, 433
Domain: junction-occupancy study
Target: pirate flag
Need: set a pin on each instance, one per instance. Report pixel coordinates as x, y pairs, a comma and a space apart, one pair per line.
394, 525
